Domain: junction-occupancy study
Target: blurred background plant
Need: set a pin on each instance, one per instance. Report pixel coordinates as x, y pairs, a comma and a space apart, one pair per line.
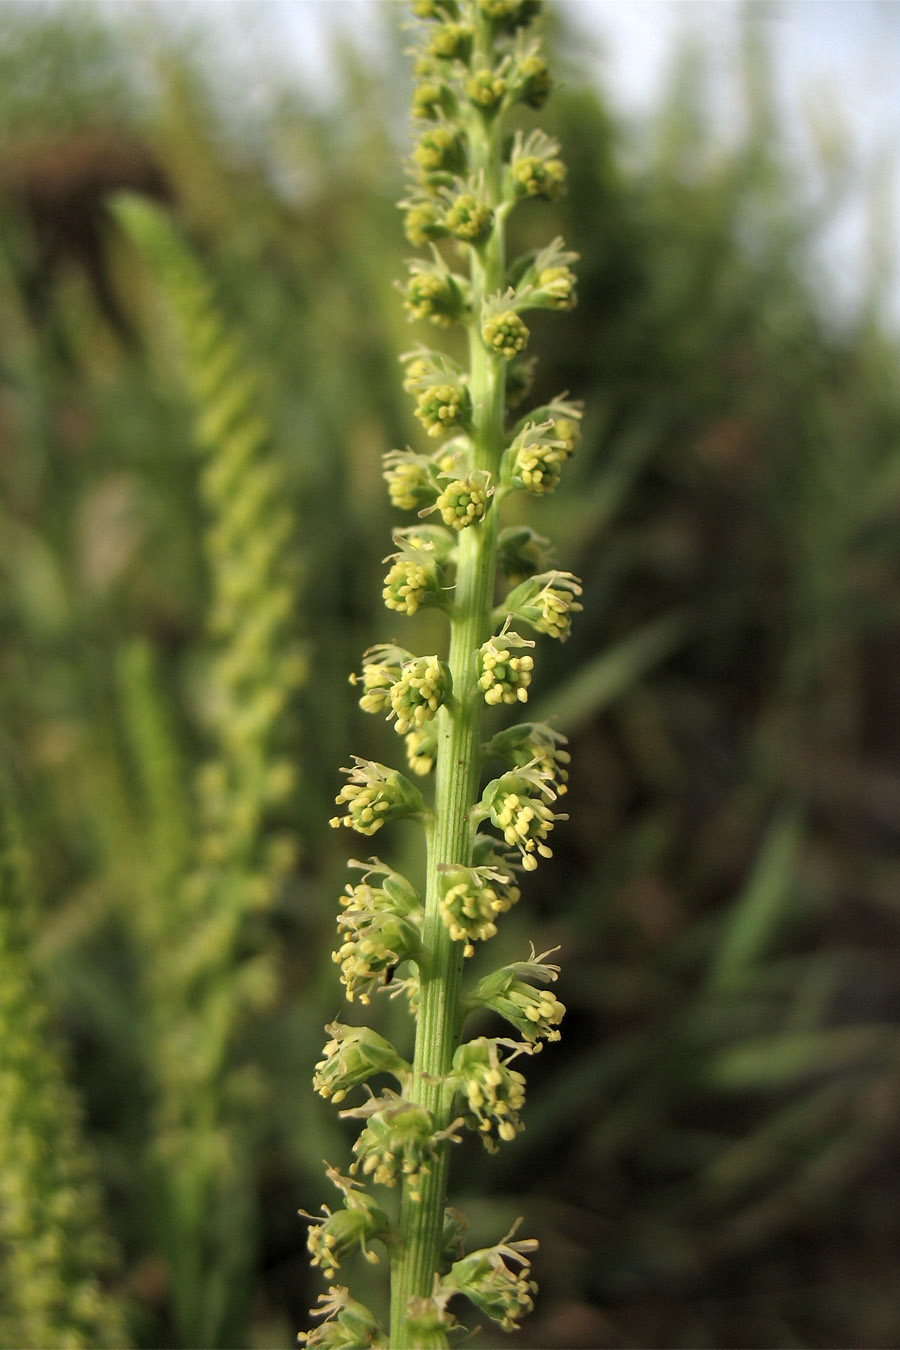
726, 1101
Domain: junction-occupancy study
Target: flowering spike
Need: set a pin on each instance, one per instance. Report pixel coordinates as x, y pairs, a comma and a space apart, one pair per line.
476, 64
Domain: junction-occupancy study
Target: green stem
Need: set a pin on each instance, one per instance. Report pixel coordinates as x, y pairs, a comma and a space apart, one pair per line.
457, 774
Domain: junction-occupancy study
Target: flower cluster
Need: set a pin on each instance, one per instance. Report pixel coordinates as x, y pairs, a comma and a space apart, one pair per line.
464, 501
374, 795
380, 927
514, 992
493, 1092
503, 677
351, 1057
400, 1141
471, 899
519, 806
350, 1228
496, 1279
469, 169
546, 602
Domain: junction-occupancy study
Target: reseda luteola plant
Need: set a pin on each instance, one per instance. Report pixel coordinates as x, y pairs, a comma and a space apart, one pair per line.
477, 61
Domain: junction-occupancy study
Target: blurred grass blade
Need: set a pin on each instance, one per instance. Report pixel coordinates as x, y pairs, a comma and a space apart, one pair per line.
597, 684
781, 1060
762, 905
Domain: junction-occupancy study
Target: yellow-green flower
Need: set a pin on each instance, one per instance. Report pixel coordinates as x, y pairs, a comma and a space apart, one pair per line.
505, 334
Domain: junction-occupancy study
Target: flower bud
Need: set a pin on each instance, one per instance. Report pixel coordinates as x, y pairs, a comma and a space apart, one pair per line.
440, 150
486, 89
505, 334
522, 553
531, 81
373, 939
535, 745
536, 458
348, 1229
412, 579
434, 293
508, 15
468, 219
399, 1142
534, 1012
382, 665
451, 42
518, 806
464, 501
410, 479
443, 407
421, 750
422, 222
535, 169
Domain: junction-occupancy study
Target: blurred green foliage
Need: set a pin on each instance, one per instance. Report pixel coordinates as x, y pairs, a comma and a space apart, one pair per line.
711, 1152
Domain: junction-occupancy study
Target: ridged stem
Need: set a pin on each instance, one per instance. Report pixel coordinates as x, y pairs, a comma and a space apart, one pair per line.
457, 774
